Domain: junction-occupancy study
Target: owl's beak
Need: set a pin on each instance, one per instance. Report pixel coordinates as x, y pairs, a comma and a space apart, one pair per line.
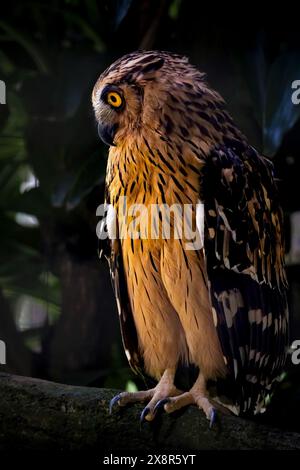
107, 133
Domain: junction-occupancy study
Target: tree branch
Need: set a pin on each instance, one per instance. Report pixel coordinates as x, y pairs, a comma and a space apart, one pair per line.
40, 415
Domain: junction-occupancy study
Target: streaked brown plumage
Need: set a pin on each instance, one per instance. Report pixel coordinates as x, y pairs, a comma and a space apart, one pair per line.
222, 308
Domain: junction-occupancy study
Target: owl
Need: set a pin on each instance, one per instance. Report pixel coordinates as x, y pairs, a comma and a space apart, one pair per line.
214, 303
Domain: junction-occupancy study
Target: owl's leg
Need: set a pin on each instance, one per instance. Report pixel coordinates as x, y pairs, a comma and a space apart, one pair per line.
163, 390
197, 395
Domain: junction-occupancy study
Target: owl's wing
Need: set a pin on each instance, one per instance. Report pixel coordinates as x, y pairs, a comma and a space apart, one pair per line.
110, 248
245, 267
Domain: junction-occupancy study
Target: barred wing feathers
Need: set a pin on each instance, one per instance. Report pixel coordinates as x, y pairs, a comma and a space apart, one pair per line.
245, 265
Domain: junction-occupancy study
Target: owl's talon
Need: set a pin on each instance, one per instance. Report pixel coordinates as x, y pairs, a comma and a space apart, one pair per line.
160, 404
113, 401
144, 413
213, 416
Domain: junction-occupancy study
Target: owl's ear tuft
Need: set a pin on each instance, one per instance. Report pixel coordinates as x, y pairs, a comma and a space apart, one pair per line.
153, 66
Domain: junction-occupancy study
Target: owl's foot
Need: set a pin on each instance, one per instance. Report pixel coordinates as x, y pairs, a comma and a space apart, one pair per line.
163, 390
197, 395
191, 398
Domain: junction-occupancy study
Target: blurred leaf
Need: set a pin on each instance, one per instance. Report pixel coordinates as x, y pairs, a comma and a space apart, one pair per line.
122, 7
22, 266
12, 149
281, 114
174, 9
72, 17
270, 88
91, 175
32, 202
27, 44
73, 188
17, 240
86, 29
57, 98
17, 120
35, 289
131, 386
92, 10
7, 66
61, 189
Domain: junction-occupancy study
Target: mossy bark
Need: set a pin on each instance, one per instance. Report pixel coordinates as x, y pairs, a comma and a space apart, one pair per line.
39, 415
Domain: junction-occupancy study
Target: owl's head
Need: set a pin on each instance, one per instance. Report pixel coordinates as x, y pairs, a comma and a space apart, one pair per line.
140, 91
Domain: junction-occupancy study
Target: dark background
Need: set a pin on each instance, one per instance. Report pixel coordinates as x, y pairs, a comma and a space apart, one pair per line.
57, 312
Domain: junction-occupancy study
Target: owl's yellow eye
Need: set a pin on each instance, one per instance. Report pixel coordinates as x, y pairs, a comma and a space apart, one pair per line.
114, 99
